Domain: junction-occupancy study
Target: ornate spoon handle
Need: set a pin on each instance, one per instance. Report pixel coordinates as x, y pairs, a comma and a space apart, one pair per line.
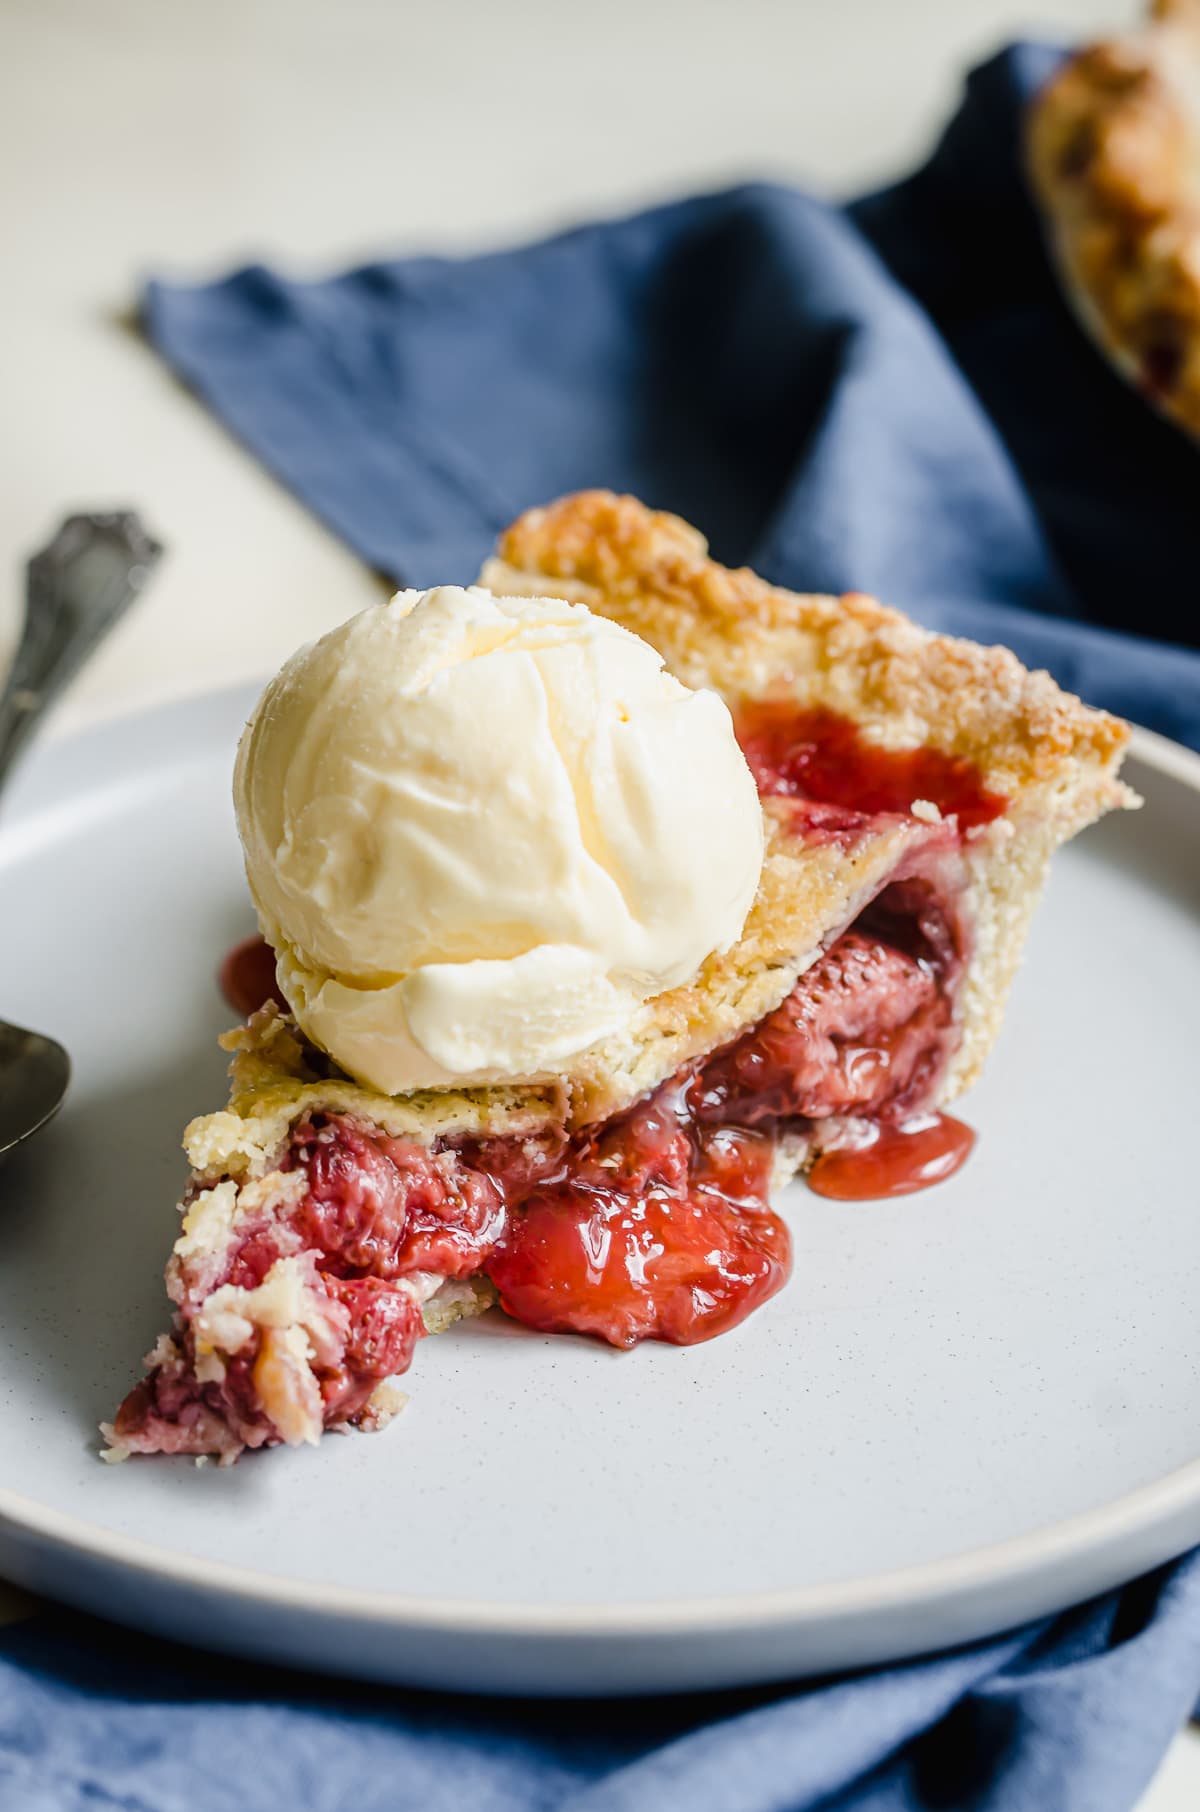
76, 589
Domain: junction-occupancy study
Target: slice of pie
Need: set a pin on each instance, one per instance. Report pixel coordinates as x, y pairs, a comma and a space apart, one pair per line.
1114, 156
913, 789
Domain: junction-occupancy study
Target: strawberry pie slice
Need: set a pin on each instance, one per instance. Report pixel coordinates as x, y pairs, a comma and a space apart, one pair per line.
913, 789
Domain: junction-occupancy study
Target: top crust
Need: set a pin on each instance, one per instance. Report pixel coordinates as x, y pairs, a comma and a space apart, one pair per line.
1051, 757
1114, 159
732, 631
275, 1081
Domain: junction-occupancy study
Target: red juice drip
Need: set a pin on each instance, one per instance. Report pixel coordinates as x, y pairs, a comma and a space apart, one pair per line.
898, 1161
247, 977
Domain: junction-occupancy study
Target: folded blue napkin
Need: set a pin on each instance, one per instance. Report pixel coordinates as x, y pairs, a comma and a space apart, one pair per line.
889, 397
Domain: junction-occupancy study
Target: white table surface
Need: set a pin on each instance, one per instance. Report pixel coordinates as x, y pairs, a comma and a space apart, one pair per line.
148, 134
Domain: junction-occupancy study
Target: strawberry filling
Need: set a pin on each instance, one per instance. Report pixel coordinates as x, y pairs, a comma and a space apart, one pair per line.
653, 1225
813, 754
864, 1032
384, 1208
657, 1228
855, 1040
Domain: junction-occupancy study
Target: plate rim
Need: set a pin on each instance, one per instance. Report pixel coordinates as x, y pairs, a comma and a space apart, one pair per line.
989, 1568
986, 1569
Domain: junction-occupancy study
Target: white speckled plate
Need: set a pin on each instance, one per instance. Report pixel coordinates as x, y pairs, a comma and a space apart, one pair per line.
967, 1408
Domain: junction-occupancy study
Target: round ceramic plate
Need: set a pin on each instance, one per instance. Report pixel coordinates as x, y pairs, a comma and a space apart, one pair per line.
967, 1408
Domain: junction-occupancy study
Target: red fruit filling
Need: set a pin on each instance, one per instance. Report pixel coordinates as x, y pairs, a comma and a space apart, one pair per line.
893, 1159
653, 1225
384, 1208
247, 977
814, 754
375, 1224
658, 1229
865, 1032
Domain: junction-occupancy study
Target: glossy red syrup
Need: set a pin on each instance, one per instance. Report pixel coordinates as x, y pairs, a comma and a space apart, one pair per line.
814, 754
247, 977
898, 1161
656, 1229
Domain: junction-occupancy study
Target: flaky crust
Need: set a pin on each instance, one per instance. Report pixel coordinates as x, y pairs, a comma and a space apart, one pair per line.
1114, 159
275, 1081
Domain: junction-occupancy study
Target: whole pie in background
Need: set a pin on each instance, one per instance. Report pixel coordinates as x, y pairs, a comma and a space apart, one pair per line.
1114, 158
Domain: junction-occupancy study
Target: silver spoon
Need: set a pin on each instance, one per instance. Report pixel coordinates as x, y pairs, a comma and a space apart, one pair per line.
76, 589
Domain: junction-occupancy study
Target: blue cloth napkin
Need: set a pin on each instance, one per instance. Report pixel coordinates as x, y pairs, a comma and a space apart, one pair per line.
890, 397
1067, 1715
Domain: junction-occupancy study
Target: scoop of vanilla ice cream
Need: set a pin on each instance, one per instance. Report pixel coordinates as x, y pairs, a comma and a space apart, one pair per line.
481, 831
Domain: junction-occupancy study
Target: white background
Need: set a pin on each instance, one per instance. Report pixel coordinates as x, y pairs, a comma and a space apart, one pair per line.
145, 135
